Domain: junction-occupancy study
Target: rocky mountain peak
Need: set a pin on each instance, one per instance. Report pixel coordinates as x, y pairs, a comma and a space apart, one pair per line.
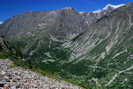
68, 11
108, 8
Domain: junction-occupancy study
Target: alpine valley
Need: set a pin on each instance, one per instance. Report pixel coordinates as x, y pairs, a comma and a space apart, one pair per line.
91, 49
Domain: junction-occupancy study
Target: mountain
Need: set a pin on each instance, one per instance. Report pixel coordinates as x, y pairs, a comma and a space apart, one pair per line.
42, 28
107, 48
107, 9
92, 49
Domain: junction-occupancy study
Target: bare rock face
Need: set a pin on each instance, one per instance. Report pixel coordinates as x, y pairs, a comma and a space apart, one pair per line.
93, 48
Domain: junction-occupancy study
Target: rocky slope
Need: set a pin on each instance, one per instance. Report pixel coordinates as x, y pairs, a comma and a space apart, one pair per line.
90, 49
107, 48
19, 78
40, 32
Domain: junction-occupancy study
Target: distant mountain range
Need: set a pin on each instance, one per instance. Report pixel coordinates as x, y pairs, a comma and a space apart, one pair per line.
92, 49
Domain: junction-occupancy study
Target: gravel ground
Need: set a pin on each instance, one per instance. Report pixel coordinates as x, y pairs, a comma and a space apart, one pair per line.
19, 78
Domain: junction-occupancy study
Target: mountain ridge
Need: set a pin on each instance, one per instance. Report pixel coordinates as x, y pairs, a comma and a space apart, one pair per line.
93, 51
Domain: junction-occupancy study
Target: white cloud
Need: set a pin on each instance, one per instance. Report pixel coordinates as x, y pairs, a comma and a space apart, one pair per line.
1, 22
97, 11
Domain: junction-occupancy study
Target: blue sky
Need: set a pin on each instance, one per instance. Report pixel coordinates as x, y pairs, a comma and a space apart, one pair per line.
10, 8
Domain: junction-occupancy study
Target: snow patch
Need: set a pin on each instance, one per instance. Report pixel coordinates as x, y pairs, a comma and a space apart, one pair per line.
107, 7
113, 6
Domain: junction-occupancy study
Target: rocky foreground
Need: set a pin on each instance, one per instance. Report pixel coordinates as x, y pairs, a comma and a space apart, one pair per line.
19, 78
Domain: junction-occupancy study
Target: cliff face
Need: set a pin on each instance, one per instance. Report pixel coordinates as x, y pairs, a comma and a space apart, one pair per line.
78, 46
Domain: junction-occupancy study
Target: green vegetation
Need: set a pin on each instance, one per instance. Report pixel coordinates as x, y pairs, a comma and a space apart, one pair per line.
3, 55
89, 74
84, 73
